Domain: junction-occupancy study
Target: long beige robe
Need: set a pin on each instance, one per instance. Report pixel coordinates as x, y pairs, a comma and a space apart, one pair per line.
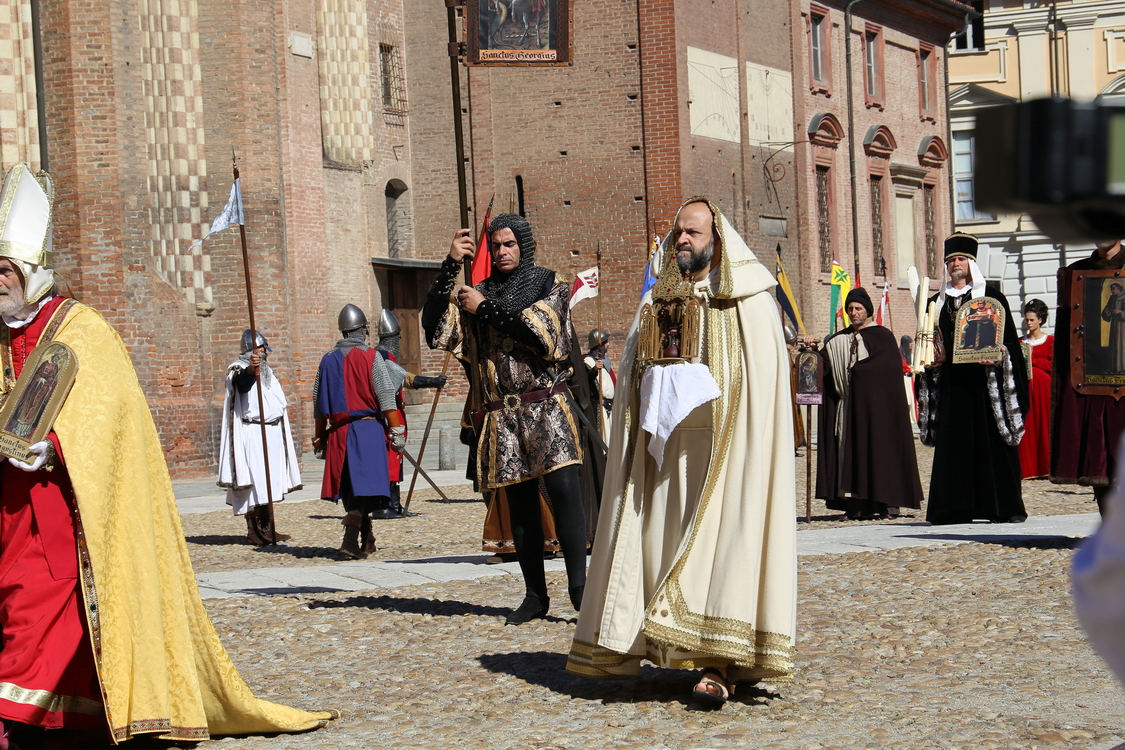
700, 566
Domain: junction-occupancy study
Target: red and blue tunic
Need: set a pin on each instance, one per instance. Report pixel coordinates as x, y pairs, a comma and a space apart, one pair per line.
357, 444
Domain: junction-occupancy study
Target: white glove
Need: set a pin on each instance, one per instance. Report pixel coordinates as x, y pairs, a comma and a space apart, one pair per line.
398, 439
39, 450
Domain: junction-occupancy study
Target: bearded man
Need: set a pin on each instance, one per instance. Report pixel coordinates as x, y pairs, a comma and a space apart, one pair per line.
866, 465
514, 327
696, 563
104, 633
972, 413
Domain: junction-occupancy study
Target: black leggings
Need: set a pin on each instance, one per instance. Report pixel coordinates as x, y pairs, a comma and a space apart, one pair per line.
565, 493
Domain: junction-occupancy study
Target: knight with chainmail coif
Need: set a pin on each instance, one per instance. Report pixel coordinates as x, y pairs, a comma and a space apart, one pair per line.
514, 329
353, 397
390, 343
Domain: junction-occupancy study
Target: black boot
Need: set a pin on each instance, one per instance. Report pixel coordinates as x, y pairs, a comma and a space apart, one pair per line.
352, 523
530, 609
394, 506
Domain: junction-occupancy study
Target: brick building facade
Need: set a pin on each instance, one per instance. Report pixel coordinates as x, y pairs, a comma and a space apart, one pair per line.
341, 117
899, 140
145, 101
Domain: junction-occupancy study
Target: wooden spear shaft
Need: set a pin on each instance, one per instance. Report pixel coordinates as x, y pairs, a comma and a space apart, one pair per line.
258, 372
426, 434
601, 351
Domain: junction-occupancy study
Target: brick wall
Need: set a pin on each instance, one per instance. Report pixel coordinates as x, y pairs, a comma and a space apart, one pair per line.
904, 27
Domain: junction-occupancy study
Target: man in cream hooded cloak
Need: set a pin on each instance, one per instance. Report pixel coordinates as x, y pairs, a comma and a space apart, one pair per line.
696, 566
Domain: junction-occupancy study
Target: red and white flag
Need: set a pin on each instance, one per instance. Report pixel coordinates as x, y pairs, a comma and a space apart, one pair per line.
585, 286
883, 303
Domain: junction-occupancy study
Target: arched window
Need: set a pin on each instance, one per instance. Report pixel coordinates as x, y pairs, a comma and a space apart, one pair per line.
398, 219
879, 143
825, 133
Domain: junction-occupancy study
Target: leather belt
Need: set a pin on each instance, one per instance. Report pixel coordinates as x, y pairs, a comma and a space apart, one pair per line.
514, 401
270, 423
333, 426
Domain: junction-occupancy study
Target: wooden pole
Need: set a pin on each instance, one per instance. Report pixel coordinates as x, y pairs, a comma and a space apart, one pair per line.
808, 463
426, 434
601, 351
258, 373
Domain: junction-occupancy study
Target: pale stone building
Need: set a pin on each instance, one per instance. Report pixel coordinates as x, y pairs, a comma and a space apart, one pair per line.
1019, 51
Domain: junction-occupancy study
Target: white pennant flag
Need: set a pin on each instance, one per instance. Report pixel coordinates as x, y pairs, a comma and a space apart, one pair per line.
232, 214
585, 285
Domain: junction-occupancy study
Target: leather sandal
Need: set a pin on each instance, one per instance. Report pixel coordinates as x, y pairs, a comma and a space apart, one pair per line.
712, 687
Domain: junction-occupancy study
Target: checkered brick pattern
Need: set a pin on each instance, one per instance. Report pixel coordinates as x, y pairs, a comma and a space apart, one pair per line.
19, 133
345, 80
177, 167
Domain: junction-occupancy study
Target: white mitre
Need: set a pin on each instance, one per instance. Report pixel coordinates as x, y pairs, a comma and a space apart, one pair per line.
27, 230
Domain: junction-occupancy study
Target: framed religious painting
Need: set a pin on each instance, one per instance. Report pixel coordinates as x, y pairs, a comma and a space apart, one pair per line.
522, 33
1097, 332
978, 331
29, 411
810, 377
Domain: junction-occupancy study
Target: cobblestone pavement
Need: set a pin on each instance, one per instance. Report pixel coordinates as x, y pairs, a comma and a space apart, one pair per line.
966, 646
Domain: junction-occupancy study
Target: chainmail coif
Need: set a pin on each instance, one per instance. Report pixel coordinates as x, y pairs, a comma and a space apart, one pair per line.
524, 286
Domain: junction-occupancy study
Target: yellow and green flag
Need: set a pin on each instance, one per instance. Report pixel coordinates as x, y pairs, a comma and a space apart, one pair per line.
841, 285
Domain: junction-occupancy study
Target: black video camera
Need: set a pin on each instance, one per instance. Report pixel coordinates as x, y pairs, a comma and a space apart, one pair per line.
1062, 162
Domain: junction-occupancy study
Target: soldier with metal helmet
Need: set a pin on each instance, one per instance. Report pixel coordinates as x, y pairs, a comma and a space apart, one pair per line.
353, 397
242, 469
390, 340
602, 377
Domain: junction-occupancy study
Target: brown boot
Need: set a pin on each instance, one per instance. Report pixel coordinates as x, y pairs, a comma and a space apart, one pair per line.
266, 528
253, 530
367, 536
352, 523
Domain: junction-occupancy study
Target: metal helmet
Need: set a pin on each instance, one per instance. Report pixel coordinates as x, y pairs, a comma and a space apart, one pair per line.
597, 338
351, 318
252, 340
388, 324
790, 334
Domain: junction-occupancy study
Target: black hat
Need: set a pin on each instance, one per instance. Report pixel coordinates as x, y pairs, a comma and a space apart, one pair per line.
960, 243
860, 295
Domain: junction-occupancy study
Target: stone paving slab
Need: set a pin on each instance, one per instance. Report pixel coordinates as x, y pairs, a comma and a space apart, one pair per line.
366, 575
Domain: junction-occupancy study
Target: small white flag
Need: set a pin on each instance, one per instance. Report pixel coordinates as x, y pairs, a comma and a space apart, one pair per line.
585, 285
232, 214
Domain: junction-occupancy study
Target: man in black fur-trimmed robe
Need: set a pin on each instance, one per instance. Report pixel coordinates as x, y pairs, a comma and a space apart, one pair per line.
972, 413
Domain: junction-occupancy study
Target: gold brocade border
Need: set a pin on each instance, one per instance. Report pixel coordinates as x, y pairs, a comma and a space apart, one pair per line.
726, 368
93, 611
777, 659
48, 701
535, 476
164, 726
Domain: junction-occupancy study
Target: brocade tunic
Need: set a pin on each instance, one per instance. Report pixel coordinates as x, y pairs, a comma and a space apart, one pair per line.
515, 354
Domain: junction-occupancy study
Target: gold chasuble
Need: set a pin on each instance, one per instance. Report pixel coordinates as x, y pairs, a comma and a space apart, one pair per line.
162, 667
695, 561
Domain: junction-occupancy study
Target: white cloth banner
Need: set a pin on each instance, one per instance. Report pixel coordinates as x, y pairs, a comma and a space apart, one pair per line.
232, 214
585, 286
668, 395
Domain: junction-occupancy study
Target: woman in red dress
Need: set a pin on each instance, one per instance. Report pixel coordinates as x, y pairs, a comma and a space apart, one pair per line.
1035, 457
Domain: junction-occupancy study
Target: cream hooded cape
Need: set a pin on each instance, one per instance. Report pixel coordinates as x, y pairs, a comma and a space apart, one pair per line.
695, 563
161, 665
